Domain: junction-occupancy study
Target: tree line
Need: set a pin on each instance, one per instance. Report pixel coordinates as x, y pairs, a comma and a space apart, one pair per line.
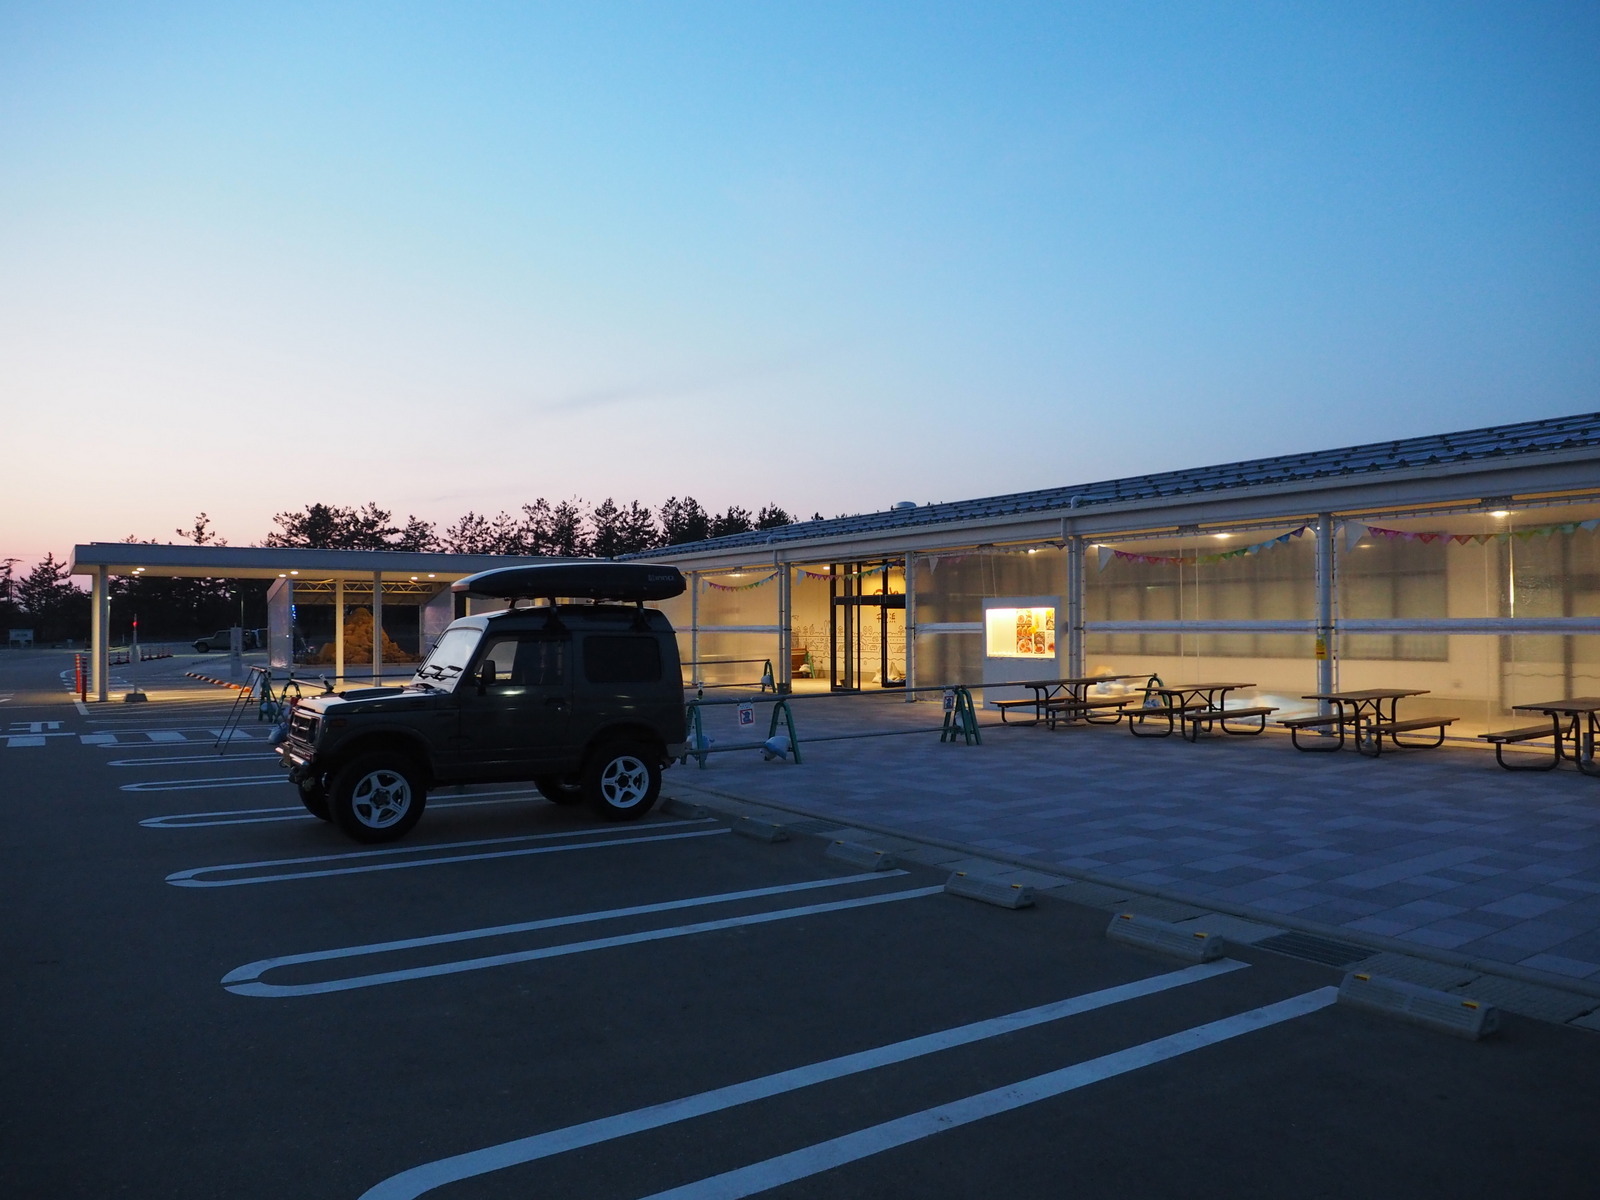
46, 600
565, 529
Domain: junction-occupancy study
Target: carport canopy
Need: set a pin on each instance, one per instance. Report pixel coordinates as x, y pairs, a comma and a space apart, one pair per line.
101, 560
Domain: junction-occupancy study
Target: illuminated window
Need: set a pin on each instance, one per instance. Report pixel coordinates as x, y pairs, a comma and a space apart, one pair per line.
1020, 632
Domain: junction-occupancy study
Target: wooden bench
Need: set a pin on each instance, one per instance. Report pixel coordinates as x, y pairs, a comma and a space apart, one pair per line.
1295, 724
1005, 706
1066, 708
1165, 710
1388, 729
1526, 733
1223, 715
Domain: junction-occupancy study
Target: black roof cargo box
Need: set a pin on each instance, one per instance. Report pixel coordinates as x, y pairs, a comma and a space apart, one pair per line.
636, 582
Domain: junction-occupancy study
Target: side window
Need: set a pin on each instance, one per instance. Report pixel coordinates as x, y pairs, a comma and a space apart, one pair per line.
622, 660
528, 660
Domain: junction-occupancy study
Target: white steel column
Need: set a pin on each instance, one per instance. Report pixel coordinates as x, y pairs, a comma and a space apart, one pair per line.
338, 630
694, 626
1325, 631
1075, 654
785, 680
911, 626
100, 633
377, 625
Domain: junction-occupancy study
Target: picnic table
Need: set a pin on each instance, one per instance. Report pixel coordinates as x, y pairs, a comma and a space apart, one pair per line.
1582, 717
1064, 699
1364, 713
1194, 707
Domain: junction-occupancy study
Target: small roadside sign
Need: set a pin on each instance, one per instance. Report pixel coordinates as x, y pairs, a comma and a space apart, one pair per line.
747, 714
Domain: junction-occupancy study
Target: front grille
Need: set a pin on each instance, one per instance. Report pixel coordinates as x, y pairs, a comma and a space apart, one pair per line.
303, 729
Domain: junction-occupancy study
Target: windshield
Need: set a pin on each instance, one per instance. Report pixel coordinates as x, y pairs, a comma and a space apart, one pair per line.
447, 660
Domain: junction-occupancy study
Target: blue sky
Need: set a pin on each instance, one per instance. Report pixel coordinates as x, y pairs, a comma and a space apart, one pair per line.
830, 256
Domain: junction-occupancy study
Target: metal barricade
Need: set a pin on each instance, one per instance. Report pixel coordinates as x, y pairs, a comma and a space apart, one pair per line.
960, 722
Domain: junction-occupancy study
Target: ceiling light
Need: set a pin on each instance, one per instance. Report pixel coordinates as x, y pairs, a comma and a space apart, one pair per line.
1500, 512
294, 572
1223, 535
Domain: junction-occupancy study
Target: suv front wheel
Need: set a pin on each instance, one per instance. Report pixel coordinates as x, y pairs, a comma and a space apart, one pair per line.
621, 781
377, 797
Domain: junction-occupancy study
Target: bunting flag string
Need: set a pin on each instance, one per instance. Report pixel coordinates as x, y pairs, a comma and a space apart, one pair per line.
1355, 531
740, 587
1107, 554
878, 570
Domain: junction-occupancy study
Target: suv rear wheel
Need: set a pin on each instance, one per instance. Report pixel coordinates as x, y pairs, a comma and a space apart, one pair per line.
558, 790
377, 797
621, 781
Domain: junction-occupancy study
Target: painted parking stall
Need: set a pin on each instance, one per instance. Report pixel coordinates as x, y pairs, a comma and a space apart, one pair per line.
259, 1008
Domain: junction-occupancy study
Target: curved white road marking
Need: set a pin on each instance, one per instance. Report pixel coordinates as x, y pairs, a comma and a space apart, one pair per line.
412, 1183
189, 878
242, 979
297, 812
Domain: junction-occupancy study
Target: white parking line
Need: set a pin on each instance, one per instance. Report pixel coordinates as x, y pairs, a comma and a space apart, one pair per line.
213, 782
189, 878
158, 760
824, 1156
241, 980
297, 812
414, 1182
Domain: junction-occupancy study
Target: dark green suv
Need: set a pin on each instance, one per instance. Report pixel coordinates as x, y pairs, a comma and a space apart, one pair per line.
585, 700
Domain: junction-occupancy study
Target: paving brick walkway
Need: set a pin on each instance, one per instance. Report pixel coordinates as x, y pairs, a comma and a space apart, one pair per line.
1440, 848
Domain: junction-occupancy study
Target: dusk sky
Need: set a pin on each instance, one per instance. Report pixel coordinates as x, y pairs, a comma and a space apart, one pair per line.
458, 256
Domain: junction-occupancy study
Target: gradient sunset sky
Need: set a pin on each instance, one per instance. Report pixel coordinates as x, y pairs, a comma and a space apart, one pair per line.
832, 256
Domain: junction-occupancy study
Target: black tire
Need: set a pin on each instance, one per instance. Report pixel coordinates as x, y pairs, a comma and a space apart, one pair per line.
558, 790
202, 647
377, 797
622, 780
314, 795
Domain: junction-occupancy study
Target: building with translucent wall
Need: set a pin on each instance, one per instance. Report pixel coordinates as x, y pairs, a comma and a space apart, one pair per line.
1465, 564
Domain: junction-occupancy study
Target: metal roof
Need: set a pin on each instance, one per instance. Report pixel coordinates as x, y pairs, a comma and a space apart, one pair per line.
1495, 442
269, 562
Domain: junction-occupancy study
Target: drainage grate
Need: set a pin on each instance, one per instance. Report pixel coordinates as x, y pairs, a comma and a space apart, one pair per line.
813, 825
1315, 949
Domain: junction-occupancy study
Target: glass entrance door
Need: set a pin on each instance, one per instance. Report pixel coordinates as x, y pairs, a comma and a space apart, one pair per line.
866, 626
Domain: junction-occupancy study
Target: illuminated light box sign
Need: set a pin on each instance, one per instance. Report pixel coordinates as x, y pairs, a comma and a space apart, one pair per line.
1020, 632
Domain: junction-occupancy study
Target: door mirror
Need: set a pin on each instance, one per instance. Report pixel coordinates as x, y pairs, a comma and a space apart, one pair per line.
486, 676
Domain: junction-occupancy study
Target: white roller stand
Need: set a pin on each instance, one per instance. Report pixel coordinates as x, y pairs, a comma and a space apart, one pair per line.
1447, 1012
1191, 945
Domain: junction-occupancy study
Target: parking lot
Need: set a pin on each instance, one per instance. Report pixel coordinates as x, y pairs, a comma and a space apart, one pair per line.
214, 994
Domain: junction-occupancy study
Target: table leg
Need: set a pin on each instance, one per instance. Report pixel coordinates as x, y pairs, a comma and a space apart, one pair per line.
1586, 751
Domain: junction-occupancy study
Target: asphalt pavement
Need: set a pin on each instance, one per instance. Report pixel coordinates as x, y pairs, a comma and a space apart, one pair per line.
211, 993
